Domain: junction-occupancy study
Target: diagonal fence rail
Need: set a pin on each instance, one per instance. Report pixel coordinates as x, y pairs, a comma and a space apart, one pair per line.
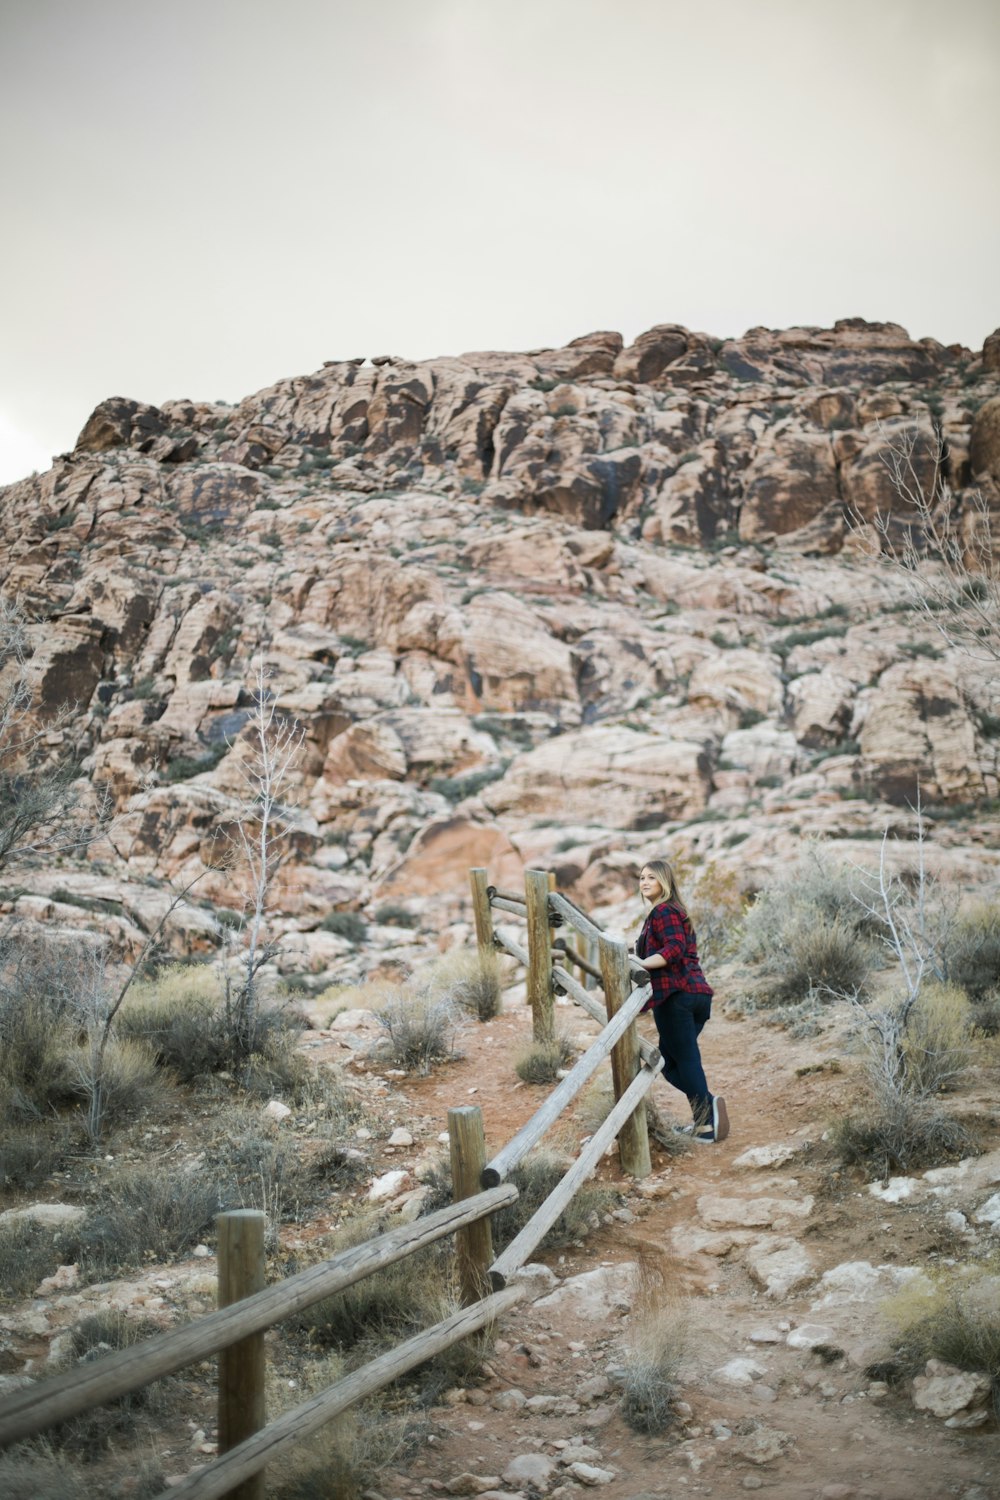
234, 1332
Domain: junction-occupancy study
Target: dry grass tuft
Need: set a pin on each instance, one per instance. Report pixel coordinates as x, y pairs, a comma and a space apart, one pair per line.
421, 1028
541, 1062
473, 981
656, 1346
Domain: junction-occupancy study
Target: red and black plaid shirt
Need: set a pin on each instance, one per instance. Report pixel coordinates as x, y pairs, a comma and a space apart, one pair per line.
669, 932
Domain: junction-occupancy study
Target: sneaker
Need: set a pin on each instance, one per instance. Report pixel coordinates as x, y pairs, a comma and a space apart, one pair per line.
720, 1119
704, 1135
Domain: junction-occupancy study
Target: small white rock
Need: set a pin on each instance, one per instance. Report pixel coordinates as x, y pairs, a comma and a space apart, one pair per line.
389, 1185
275, 1110
401, 1137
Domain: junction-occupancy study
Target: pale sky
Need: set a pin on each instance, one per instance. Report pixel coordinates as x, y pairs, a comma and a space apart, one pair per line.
204, 196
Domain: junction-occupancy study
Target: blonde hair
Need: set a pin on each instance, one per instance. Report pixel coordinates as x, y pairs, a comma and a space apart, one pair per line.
662, 871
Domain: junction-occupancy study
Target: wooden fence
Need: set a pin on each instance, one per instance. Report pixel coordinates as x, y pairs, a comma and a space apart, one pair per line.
235, 1331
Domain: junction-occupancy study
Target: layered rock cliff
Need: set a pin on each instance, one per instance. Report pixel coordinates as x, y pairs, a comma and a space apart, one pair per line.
554, 607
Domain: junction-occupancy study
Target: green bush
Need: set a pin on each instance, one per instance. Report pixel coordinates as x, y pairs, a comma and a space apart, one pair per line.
179, 1015
346, 924
971, 951
392, 915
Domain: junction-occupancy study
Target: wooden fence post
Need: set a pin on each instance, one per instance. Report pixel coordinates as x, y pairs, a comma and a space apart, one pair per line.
242, 1407
540, 991
474, 1243
481, 911
633, 1138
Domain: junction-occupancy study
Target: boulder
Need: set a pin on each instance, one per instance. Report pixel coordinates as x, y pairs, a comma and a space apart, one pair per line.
789, 485
652, 352
443, 852
984, 446
612, 776
120, 423
945, 1391
595, 1296
917, 730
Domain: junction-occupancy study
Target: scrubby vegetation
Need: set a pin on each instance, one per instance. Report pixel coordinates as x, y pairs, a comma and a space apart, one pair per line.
655, 1351
541, 1062
952, 1315
809, 936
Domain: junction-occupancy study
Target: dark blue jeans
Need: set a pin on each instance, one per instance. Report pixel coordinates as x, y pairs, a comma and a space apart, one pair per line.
679, 1022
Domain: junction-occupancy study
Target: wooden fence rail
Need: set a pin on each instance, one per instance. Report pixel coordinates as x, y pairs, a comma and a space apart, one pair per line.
224, 1474
583, 1069
517, 1252
247, 1308
38, 1407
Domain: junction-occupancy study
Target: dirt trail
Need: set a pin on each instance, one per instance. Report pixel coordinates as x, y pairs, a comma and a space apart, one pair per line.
839, 1429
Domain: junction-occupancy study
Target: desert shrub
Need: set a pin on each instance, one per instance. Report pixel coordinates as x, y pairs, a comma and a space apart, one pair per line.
264, 1167
38, 1476
891, 1130
420, 1028
597, 1101
535, 1178
936, 1038
179, 1015
91, 1434
986, 1013
37, 1036
28, 1253
127, 1080
345, 1455
541, 1061
809, 934
970, 951
716, 903
472, 981
148, 1213
954, 1318
384, 1308
392, 915
346, 924
31, 1153
655, 1349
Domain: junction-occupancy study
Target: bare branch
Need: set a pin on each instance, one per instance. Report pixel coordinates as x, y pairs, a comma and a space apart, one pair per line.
947, 554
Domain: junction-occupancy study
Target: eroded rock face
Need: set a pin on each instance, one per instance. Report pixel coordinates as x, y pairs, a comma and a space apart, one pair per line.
545, 608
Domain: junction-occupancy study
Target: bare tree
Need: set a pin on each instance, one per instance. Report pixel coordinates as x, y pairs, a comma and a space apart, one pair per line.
97, 1004
948, 555
273, 743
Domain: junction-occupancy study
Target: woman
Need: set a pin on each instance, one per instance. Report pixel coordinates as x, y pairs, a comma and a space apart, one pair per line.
681, 1001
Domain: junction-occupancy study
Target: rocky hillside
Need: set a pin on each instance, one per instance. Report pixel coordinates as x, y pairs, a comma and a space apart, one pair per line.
561, 608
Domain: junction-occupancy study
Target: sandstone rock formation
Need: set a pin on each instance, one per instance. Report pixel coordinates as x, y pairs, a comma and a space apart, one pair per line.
550, 606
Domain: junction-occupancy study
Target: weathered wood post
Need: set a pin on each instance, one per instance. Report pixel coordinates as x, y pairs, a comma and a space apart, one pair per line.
482, 912
540, 991
633, 1138
474, 1243
242, 1409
